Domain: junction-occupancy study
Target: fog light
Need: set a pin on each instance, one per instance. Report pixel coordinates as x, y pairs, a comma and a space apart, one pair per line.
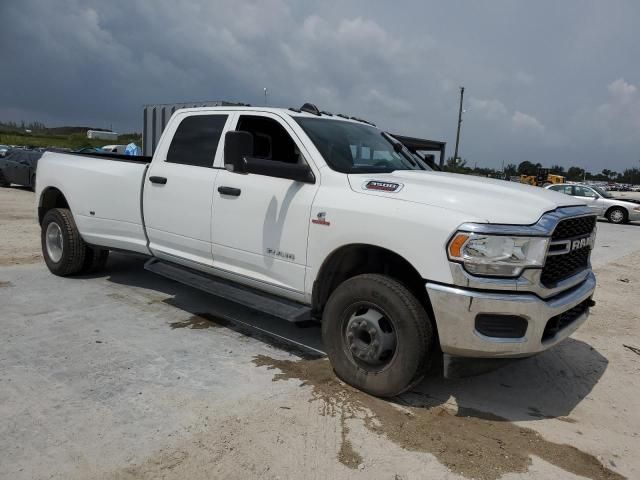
501, 326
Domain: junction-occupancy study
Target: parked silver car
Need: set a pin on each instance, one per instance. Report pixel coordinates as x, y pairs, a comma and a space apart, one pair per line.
602, 202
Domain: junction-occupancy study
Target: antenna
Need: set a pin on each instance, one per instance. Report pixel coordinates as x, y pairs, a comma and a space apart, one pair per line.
266, 92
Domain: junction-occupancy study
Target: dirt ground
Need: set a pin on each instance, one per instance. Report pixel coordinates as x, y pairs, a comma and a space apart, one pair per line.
176, 387
20, 231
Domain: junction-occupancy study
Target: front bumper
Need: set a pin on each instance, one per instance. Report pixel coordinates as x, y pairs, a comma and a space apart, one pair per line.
455, 310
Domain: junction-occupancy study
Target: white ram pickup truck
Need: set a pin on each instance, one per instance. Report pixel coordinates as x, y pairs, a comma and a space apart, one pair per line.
304, 214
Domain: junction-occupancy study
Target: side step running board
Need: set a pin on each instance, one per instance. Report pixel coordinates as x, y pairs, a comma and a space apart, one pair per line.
263, 302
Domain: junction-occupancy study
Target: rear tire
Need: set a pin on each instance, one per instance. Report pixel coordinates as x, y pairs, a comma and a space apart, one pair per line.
617, 215
369, 309
63, 249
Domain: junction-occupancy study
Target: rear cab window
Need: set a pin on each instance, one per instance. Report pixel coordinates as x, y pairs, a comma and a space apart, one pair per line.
196, 140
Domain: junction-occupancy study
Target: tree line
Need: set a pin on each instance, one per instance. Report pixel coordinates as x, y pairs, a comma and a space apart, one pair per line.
33, 126
574, 174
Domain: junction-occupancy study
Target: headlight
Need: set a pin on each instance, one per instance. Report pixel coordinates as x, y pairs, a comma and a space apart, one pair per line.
497, 255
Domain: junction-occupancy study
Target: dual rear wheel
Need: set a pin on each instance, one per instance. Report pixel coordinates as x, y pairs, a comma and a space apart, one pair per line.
64, 250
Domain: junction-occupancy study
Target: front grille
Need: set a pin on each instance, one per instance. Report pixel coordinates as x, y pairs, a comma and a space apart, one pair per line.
574, 227
559, 322
560, 267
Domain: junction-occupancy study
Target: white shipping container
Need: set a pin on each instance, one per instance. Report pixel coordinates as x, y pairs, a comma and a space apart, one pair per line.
102, 135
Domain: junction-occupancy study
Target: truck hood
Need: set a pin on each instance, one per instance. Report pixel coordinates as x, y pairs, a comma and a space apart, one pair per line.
483, 199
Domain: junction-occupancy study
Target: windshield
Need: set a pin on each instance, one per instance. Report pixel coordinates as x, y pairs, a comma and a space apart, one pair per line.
602, 193
357, 148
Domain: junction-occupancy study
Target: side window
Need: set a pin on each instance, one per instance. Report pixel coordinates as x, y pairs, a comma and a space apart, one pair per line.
566, 189
583, 192
196, 140
270, 140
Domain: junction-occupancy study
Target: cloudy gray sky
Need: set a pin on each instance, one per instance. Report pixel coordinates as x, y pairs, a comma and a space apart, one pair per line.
546, 81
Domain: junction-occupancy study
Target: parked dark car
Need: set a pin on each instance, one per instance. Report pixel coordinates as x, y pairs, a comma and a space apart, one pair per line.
19, 166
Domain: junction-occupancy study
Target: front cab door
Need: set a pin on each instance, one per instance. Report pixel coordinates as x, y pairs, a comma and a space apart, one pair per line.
260, 222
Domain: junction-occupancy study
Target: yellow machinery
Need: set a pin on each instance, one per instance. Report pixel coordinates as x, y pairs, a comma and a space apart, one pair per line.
542, 179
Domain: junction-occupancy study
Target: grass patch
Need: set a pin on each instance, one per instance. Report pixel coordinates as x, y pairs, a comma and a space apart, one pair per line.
73, 141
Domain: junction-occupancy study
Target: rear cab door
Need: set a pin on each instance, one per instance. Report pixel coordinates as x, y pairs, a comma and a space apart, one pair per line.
179, 187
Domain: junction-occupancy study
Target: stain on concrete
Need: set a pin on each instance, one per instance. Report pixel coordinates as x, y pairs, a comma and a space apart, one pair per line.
469, 442
200, 321
5, 284
347, 455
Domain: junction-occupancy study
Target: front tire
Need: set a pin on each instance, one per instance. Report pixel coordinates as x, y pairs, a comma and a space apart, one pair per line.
617, 215
63, 249
377, 335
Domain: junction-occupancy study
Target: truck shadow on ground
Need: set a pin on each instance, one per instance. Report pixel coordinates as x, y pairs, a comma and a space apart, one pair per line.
549, 385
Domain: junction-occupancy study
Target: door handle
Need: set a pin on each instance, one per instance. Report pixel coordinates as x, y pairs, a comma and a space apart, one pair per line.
160, 180
234, 192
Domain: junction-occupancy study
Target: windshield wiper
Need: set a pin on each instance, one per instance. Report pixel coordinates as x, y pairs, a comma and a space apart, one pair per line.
399, 147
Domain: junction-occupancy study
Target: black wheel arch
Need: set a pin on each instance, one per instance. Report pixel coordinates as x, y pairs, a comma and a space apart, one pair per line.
51, 197
359, 258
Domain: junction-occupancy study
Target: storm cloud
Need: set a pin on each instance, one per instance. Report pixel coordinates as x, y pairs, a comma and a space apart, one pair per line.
548, 82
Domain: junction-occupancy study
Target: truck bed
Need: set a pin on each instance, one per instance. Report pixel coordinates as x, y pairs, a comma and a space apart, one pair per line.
104, 192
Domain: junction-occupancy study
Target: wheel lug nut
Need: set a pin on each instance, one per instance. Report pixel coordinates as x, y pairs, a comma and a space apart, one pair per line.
372, 332
350, 335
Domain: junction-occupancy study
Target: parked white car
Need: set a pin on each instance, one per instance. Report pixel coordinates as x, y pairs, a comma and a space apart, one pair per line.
601, 202
115, 149
303, 214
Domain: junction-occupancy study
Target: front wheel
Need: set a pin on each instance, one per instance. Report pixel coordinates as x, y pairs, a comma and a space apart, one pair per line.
377, 335
63, 249
617, 215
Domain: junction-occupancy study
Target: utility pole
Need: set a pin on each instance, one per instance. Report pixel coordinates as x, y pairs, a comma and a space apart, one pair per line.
455, 154
266, 103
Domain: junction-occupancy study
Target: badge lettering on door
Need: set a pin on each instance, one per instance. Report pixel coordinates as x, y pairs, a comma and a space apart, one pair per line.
274, 252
